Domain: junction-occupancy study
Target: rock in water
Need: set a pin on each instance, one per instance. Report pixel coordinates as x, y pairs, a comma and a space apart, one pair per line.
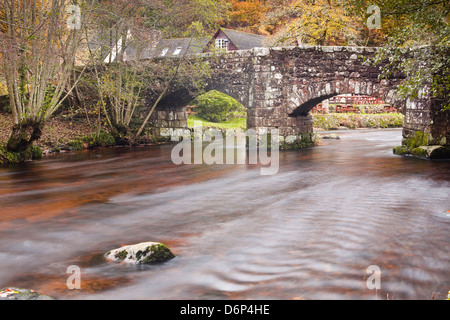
331, 136
12, 293
145, 252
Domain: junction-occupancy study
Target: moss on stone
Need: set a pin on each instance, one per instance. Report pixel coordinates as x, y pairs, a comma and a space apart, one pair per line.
420, 139
141, 253
419, 152
158, 253
401, 150
121, 255
304, 140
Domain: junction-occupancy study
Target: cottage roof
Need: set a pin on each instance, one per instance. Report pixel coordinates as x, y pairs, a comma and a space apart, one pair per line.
180, 46
243, 40
169, 48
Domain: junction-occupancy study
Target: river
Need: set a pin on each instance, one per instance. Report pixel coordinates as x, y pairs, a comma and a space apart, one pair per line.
308, 232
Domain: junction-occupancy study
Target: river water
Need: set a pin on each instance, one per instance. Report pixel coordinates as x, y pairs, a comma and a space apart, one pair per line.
308, 232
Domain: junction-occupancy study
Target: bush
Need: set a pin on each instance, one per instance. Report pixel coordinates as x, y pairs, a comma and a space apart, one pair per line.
101, 139
216, 106
8, 157
76, 145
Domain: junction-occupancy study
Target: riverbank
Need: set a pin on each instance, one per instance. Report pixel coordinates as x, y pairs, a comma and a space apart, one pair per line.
61, 131
58, 131
334, 121
62, 134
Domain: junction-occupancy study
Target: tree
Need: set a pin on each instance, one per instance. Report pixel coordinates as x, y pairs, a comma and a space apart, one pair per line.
246, 15
312, 22
38, 51
173, 17
124, 77
417, 44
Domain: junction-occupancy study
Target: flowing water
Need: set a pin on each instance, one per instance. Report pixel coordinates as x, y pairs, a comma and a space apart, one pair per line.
308, 232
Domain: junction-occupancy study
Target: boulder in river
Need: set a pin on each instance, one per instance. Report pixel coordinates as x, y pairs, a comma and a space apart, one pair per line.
331, 136
141, 253
13, 293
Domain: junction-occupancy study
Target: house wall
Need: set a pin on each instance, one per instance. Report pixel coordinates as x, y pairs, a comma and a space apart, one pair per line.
222, 35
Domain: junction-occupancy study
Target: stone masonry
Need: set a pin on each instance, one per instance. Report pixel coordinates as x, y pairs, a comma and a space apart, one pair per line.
279, 86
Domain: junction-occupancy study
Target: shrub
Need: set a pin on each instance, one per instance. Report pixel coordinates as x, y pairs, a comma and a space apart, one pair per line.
76, 145
101, 139
216, 106
8, 157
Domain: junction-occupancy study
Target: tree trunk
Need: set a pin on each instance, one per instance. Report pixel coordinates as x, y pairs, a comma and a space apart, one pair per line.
24, 134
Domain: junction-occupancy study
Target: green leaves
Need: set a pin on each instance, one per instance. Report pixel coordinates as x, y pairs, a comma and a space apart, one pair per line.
216, 106
418, 45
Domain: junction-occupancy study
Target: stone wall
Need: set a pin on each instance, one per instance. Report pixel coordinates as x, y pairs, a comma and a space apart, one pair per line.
279, 86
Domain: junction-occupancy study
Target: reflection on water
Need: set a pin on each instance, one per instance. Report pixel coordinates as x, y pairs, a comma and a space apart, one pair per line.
309, 231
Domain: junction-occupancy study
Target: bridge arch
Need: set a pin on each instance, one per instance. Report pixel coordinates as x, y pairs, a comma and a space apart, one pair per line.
279, 86
305, 97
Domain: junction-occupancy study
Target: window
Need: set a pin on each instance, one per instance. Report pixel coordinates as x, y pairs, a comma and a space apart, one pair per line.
164, 52
177, 51
222, 44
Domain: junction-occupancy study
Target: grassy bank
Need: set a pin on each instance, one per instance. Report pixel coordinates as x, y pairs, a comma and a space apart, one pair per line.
352, 120
236, 123
58, 134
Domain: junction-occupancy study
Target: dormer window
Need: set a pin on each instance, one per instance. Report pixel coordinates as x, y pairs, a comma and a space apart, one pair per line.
222, 44
177, 51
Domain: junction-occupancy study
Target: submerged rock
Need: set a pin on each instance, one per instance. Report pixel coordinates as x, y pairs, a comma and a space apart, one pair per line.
13, 293
141, 253
331, 136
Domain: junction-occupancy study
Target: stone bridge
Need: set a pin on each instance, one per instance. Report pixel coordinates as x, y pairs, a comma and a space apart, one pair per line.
279, 86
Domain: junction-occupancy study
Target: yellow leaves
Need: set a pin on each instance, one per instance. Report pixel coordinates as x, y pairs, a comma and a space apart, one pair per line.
318, 23
3, 89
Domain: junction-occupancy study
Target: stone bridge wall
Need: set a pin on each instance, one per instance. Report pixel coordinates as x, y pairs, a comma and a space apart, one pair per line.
279, 86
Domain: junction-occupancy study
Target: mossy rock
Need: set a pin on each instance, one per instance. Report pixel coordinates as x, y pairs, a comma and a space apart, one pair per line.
401, 150
141, 253
331, 136
420, 139
420, 152
427, 152
301, 141
13, 293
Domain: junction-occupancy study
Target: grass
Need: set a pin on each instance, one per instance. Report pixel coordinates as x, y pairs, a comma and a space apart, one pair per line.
353, 120
236, 123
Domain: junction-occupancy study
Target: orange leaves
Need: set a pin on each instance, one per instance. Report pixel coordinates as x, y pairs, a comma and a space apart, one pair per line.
246, 14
